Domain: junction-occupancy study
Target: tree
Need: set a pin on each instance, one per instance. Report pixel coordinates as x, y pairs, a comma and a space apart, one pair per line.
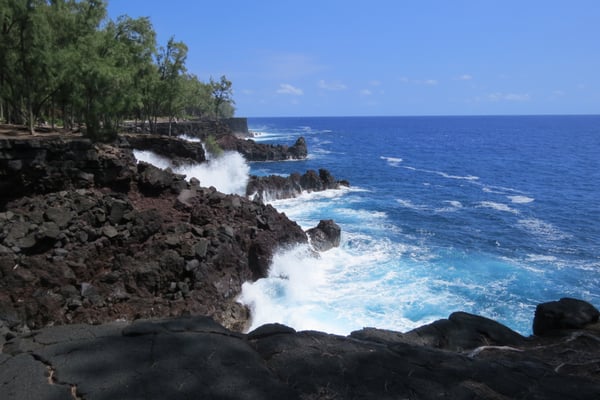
75, 24
29, 62
137, 40
197, 98
171, 65
7, 59
63, 58
162, 91
222, 94
115, 60
37, 45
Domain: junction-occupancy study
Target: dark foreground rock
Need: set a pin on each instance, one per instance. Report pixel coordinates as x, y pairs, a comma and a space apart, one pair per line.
556, 316
194, 357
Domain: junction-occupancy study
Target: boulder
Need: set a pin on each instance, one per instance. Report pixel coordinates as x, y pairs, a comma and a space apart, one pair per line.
463, 331
567, 313
154, 181
59, 216
325, 236
299, 149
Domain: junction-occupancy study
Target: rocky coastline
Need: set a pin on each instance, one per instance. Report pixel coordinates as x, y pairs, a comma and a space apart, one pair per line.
89, 235
119, 280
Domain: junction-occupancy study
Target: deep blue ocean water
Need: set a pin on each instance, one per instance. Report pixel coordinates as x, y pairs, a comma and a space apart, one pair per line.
489, 215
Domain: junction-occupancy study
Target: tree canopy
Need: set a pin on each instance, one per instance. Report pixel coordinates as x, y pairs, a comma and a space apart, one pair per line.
66, 62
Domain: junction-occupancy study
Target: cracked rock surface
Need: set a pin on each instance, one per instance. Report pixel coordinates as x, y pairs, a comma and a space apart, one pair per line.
196, 358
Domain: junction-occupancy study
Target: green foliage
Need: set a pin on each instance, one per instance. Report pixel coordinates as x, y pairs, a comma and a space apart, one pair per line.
63, 59
222, 95
211, 145
197, 98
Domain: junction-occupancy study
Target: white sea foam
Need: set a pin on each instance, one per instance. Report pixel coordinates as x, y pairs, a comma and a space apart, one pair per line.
497, 206
152, 158
520, 199
466, 178
361, 214
540, 258
304, 208
343, 289
308, 196
443, 174
290, 293
543, 229
392, 161
498, 189
410, 205
227, 173
189, 138
321, 151
453, 205
265, 136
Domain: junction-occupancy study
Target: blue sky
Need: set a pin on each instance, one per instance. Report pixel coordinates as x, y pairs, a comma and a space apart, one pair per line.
426, 57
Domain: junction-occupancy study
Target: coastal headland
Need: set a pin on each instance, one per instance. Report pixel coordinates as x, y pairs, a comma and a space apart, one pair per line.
119, 280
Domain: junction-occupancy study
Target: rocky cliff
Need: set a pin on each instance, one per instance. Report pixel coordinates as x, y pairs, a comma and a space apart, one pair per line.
54, 163
184, 151
88, 235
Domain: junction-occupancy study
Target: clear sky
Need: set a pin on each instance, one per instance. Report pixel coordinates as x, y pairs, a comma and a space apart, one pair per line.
389, 57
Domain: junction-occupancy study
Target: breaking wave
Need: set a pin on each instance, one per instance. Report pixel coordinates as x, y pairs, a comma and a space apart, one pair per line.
228, 173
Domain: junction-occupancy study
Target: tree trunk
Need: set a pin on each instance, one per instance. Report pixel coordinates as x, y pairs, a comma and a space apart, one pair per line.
72, 117
63, 112
52, 113
30, 118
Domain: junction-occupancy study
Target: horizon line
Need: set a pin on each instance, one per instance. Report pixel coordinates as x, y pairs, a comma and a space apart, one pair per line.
425, 116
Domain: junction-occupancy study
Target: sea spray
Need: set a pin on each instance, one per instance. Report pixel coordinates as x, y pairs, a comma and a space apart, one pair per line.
343, 289
291, 294
228, 173
348, 287
189, 138
488, 215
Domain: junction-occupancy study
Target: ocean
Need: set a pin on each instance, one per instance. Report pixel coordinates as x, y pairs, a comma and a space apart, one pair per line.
488, 215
